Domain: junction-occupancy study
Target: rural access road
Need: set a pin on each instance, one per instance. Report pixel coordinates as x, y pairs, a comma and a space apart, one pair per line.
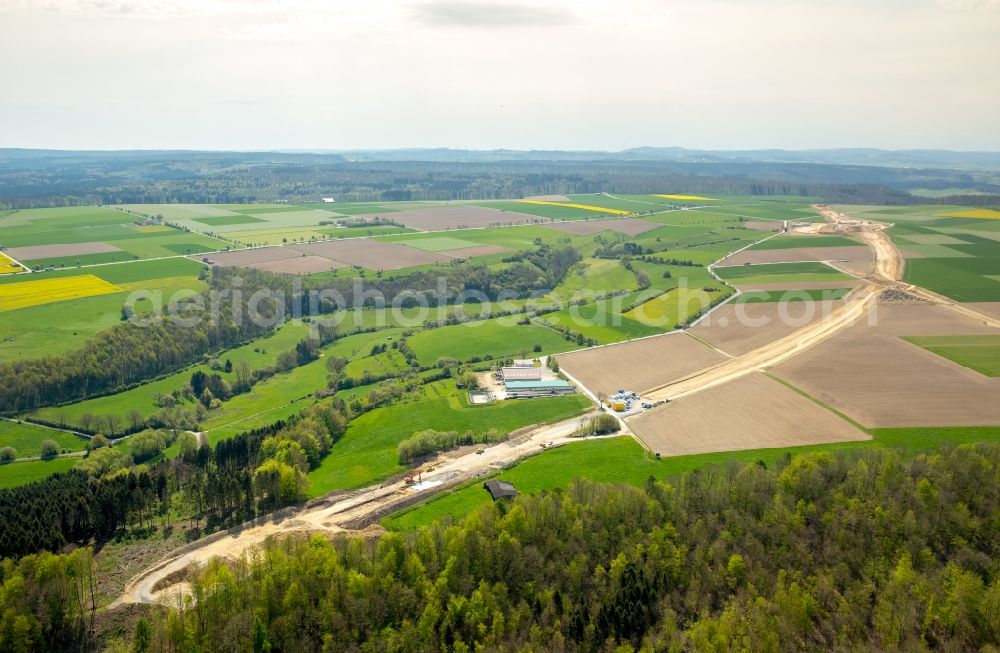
345, 512
887, 273
888, 268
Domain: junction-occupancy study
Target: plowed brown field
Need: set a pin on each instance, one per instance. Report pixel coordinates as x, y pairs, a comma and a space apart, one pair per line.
752, 412
641, 364
871, 374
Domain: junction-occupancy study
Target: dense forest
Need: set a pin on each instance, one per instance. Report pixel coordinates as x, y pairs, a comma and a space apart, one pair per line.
33, 178
113, 492
853, 550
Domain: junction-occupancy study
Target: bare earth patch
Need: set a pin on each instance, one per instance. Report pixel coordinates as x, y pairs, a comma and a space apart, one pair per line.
795, 254
371, 254
988, 308
738, 329
247, 256
627, 226
871, 374
752, 412
35, 252
470, 252
439, 218
640, 365
299, 265
766, 225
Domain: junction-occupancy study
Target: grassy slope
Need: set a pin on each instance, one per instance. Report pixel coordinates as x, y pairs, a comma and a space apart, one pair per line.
27, 439
16, 474
622, 460
497, 338
64, 326
367, 451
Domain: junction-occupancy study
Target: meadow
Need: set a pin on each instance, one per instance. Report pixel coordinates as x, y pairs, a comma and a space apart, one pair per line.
780, 273
769, 296
495, 338
27, 439
791, 242
979, 353
21, 473
367, 452
623, 460
65, 325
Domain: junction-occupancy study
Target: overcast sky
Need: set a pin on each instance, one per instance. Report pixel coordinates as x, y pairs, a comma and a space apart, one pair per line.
566, 74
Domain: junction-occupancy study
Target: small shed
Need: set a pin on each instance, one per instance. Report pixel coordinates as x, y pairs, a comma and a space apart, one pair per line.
500, 489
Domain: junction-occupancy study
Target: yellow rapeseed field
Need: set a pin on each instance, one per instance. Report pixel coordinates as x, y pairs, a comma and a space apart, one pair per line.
585, 207
986, 214
7, 265
22, 294
692, 198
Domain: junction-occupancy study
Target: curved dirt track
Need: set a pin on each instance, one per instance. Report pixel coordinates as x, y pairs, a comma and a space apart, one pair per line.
344, 513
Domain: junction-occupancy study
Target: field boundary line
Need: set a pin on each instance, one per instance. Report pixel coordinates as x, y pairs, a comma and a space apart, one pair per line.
841, 415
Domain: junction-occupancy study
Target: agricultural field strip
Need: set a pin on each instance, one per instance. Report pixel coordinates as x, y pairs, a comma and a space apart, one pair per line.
711, 270
230, 247
24, 269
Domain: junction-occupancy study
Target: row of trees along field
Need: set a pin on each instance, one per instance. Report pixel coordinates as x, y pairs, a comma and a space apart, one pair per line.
854, 550
129, 353
214, 487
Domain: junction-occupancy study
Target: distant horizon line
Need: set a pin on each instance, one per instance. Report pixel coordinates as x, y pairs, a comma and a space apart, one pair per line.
445, 148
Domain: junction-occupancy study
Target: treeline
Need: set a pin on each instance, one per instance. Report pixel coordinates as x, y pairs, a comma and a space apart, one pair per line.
845, 551
225, 484
424, 443
129, 353
67, 179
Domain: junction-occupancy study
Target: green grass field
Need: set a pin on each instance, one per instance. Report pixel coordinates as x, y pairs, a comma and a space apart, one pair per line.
497, 338
593, 276
27, 439
622, 460
789, 242
224, 220
602, 320
22, 473
63, 326
677, 306
367, 452
780, 273
770, 296
979, 353
961, 279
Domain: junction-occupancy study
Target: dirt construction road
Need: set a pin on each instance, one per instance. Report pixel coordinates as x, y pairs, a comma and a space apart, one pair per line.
343, 513
888, 269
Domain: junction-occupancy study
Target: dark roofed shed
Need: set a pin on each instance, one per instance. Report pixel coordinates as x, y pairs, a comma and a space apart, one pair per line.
500, 489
